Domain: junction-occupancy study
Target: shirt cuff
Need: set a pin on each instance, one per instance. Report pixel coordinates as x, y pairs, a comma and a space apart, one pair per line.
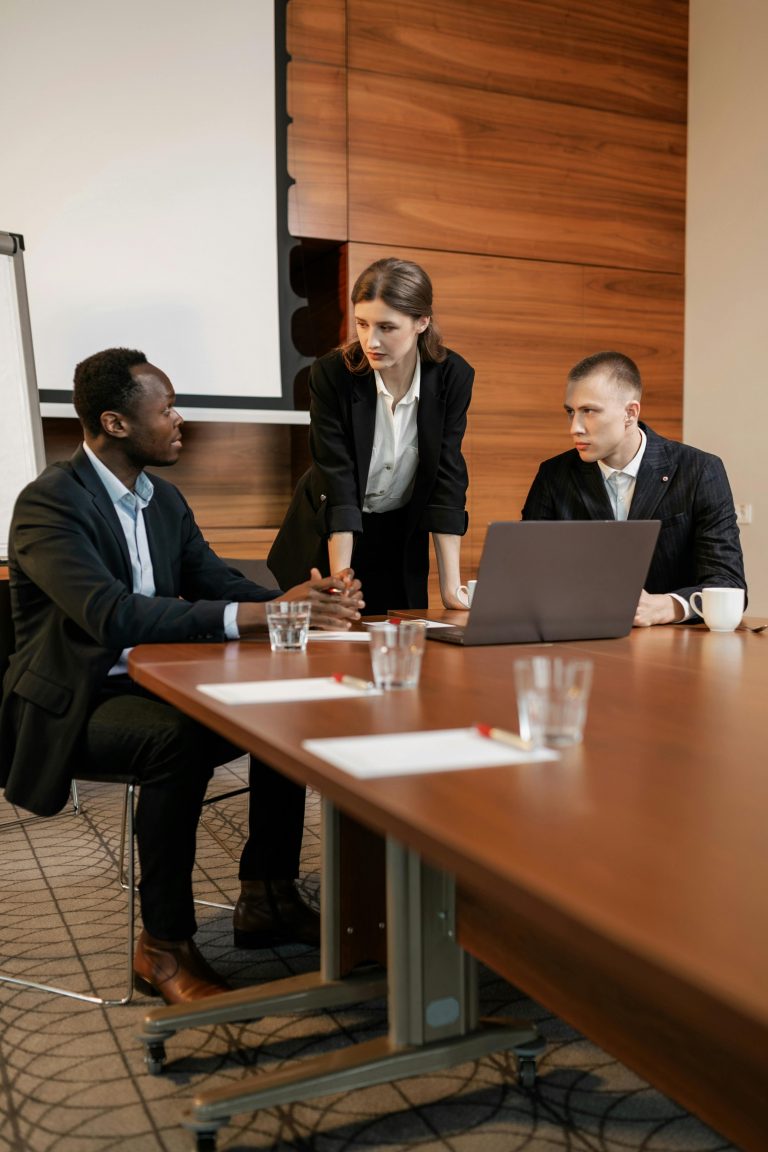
689, 613
231, 630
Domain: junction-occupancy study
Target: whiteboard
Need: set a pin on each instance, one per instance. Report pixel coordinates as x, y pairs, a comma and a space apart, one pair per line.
144, 178
21, 435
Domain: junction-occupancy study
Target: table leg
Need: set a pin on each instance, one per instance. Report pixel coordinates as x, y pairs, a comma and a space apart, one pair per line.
433, 1011
345, 941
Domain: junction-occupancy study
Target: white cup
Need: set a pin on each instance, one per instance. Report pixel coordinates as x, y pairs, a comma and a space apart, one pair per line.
467, 590
552, 698
288, 623
722, 608
396, 653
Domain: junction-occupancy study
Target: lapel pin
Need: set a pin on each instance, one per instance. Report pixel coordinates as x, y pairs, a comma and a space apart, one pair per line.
664, 479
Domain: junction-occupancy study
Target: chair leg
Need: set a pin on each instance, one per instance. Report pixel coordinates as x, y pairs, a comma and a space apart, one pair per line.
129, 871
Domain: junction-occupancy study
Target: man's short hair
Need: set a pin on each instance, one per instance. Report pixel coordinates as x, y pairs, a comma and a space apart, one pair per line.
103, 383
623, 371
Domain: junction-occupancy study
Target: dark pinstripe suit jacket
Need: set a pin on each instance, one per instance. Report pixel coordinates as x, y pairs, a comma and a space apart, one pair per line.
683, 487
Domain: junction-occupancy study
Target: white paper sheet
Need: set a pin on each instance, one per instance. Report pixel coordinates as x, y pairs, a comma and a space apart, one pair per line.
429, 623
319, 635
407, 753
282, 691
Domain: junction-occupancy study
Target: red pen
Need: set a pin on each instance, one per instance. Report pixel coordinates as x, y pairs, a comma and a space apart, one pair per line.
504, 737
352, 681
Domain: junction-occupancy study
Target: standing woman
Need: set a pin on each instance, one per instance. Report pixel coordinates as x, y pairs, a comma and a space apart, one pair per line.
388, 413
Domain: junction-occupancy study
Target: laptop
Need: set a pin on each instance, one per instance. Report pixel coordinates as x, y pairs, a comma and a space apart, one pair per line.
548, 580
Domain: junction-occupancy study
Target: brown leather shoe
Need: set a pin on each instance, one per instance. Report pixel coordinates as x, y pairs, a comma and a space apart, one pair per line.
270, 913
175, 970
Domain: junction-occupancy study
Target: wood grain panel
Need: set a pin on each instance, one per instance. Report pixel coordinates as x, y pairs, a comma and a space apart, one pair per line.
644, 316
317, 151
629, 58
437, 165
316, 30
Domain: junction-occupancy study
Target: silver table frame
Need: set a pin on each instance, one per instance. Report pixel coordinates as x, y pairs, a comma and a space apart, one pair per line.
431, 991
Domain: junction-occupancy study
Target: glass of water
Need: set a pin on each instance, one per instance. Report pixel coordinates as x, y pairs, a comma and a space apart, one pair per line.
288, 623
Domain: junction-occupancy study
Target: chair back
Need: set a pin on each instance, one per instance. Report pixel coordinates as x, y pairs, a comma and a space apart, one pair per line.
6, 629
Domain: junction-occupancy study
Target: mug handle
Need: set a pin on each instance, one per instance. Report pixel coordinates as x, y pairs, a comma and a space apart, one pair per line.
698, 608
462, 593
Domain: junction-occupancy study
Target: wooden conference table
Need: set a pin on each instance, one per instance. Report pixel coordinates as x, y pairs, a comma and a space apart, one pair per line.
623, 886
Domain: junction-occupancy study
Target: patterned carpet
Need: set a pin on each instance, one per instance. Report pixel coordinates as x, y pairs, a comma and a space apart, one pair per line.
72, 1076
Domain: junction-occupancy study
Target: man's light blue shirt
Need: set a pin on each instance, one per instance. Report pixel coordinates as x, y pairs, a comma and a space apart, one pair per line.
129, 507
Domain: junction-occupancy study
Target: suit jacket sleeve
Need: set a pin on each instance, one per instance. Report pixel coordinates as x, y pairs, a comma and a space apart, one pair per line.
716, 559
445, 507
337, 472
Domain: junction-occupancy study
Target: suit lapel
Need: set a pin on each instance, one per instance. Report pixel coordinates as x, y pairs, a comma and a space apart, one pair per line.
363, 410
157, 538
430, 419
87, 476
590, 487
656, 472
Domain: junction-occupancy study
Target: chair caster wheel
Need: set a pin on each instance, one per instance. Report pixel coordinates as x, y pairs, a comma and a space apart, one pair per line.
154, 1058
526, 1073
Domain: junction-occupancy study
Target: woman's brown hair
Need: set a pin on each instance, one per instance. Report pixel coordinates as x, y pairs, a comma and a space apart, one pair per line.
407, 288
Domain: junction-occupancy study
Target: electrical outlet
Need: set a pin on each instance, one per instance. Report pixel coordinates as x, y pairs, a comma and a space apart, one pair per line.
743, 513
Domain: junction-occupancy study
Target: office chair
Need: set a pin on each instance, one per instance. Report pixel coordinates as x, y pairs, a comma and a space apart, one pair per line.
126, 866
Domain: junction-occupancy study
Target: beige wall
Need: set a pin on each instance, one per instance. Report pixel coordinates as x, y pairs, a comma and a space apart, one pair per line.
726, 332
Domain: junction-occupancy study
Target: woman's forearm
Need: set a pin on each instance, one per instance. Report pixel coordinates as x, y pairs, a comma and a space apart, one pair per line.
448, 552
340, 550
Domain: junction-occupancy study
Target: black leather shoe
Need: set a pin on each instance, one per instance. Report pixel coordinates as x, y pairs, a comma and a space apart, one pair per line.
175, 970
270, 913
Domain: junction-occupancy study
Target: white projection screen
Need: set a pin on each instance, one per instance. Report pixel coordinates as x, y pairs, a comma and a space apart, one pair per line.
142, 166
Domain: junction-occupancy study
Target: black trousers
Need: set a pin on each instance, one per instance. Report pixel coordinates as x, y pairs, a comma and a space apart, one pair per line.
130, 731
379, 558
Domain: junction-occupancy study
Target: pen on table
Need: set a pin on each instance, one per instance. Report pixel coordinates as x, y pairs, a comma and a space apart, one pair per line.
352, 681
504, 737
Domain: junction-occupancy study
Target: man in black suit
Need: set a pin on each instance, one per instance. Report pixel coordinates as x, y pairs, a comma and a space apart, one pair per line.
103, 558
620, 469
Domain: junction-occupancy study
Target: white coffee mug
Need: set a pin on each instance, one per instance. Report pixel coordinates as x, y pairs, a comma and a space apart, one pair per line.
467, 591
722, 608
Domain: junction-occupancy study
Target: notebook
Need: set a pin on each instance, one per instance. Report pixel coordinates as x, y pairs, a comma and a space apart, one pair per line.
556, 580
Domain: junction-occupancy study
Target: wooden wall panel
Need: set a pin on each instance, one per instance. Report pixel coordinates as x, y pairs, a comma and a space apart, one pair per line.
317, 30
317, 151
437, 165
316, 35
629, 57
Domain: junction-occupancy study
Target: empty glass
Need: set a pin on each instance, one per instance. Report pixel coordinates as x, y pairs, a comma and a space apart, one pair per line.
552, 698
396, 652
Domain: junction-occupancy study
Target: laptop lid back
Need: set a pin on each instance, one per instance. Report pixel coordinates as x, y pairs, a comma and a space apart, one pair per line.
559, 580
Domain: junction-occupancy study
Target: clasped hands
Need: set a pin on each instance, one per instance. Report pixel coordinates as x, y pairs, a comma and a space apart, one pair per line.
337, 602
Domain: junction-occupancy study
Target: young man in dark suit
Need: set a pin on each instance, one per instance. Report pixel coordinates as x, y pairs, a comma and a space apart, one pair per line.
619, 468
102, 558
